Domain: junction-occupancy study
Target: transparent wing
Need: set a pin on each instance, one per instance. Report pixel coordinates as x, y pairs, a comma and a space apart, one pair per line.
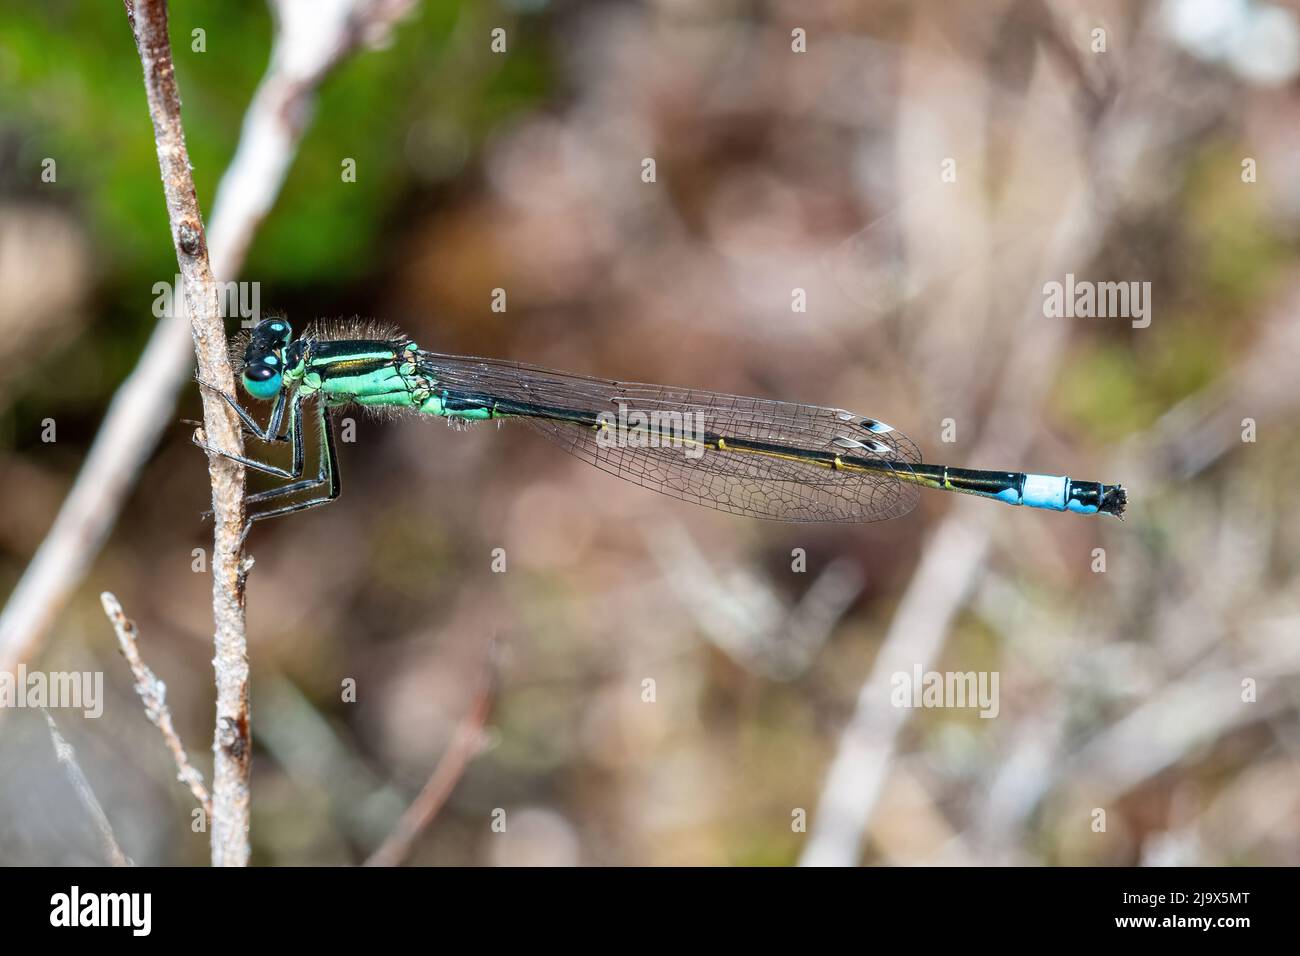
774, 461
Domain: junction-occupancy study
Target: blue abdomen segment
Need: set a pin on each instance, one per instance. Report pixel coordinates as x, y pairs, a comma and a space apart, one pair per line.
1050, 492
1058, 493
1044, 491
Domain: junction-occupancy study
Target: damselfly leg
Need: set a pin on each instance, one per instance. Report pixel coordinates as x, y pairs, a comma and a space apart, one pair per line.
251, 427
327, 472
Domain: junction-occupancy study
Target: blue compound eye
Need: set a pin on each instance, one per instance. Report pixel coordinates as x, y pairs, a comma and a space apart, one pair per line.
261, 380
273, 331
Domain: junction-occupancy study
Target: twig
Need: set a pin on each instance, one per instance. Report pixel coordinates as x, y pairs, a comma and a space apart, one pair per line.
310, 39
866, 749
153, 692
68, 757
232, 745
1185, 715
465, 745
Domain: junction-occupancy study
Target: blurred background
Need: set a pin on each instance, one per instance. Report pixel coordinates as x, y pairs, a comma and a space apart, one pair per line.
919, 170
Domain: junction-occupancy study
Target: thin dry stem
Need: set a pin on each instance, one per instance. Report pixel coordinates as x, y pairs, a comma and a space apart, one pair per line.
153, 692
68, 757
232, 746
466, 743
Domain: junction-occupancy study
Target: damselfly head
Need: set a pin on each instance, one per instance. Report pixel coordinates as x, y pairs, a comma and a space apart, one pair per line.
264, 357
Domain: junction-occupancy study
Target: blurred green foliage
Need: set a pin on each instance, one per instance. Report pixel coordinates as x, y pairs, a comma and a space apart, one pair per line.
93, 121
437, 83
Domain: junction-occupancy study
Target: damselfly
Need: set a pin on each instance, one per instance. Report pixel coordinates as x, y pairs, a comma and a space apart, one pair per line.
746, 456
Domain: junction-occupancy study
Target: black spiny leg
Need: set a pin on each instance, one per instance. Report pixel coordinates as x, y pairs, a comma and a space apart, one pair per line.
267, 434
328, 472
294, 435
323, 470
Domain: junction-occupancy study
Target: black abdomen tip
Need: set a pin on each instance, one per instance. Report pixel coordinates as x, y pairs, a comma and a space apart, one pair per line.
1114, 500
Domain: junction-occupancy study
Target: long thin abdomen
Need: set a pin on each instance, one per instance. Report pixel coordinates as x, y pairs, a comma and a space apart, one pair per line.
1051, 492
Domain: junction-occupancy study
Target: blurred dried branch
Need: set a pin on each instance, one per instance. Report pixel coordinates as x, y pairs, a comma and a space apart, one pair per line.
153, 693
68, 758
957, 551
465, 744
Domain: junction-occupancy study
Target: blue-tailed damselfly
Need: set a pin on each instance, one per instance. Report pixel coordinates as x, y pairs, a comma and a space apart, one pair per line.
746, 456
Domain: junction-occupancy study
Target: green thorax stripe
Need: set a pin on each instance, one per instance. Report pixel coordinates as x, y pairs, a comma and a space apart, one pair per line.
350, 358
